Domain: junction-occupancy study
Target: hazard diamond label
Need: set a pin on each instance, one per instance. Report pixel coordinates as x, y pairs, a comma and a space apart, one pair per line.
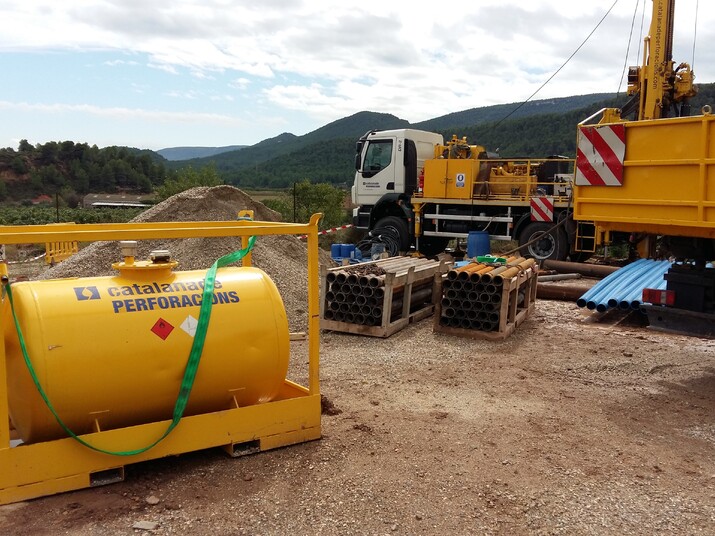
189, 325
542, 209
600, 154
162, 328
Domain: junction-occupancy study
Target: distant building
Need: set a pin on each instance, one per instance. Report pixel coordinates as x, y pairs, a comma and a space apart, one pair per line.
117, 200
43, 200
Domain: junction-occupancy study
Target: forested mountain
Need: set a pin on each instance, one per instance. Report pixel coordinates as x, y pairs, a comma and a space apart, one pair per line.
74, 169
187, 153
331, 159
538, 129
489, 114
351, 127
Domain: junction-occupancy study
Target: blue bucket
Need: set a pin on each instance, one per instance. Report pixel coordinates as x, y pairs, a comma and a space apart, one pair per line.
335, 250
478, 243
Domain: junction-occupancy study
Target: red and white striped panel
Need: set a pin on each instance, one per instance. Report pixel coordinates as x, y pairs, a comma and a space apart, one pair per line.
542, 209
600, 154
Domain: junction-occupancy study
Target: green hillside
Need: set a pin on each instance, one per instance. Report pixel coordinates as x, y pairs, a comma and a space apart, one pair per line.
538, 129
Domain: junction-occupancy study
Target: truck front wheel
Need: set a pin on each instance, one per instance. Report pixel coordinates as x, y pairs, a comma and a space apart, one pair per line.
546, 244
398, 234
432, 245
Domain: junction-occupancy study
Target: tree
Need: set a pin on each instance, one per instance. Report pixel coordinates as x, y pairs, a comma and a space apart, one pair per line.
187, 178
305, 199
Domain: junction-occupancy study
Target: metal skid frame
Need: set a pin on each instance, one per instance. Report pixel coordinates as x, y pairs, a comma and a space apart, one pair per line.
34, 470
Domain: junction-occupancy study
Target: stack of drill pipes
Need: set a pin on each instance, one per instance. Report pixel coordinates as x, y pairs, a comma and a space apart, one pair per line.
633, 299
601, 290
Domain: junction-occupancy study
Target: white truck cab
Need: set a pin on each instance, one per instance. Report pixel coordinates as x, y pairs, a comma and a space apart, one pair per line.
387, 164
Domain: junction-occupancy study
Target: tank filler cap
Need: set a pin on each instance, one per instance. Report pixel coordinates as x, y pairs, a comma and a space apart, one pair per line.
160, 256
129, 248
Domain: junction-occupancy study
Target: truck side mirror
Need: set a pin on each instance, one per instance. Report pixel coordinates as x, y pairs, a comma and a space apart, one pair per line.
357, 162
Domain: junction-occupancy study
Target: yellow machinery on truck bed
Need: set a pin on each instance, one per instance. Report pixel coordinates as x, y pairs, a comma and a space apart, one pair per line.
107, 356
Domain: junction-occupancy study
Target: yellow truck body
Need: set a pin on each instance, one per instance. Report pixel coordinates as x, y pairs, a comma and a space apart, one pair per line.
668, 180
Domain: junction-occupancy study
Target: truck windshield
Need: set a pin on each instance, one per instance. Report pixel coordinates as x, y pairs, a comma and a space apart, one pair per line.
378, 155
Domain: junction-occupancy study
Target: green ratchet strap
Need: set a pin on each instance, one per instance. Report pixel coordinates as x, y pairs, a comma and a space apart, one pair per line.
191, 366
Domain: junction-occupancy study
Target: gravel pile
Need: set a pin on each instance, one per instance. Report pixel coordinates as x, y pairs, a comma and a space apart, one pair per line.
283, 258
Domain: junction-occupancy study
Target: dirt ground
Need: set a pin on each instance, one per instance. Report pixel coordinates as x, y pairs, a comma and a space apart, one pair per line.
568, 427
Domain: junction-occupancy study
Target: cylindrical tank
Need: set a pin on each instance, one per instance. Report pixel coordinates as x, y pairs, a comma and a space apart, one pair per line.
113, 350
477, 243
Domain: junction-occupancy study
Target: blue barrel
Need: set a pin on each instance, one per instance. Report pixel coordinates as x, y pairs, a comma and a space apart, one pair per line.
335, 250
478, 243
347, 251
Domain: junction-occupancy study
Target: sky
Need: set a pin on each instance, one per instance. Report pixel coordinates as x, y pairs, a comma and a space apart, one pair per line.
156, 73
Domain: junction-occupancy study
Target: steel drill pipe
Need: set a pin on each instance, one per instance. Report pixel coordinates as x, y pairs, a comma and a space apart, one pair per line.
550, 291
557, 277
506, 275
589, 270
476, 276
465, 271
490, 276
376, 281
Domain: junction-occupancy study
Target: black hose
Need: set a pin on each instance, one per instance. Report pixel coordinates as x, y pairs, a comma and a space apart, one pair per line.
387, 235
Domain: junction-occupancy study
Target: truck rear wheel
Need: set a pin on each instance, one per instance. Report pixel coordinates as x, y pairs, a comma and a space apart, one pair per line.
547, 245
400, 235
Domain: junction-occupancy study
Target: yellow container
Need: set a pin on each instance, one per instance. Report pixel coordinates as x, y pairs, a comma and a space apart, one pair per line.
110, 352
668, 181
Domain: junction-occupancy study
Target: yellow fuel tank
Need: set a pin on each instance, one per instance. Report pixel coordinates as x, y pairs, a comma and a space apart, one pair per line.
111, 351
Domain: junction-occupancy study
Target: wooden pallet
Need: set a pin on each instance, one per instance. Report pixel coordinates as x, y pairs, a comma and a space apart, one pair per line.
518, 297
407, 280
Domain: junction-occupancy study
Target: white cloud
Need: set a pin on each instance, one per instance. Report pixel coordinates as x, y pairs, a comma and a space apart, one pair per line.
328, 59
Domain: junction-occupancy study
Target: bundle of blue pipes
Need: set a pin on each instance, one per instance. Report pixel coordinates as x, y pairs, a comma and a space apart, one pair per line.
624, 288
